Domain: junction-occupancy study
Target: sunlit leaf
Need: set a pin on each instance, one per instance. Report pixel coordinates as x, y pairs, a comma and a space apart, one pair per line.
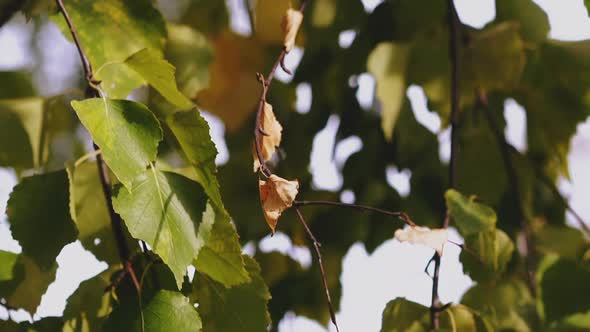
219, 251
469, 216
127, 133
163, 209
272, 139
112, 30
7, 262
403, 315
489, 253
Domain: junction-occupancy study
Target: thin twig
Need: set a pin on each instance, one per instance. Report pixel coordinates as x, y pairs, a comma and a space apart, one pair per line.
94, 91
258, 129
547, 182
505, 151
400, 215
317, 246
454, 32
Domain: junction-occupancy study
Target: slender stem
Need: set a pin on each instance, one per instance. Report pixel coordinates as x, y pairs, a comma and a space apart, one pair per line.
454, 32
401, 215
317, 246
93, 91
547, 182
258, 128
505, 151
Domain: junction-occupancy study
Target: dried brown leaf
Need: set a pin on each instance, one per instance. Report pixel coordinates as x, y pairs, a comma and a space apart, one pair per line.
433, 238
276, 195
291, 24
273, 128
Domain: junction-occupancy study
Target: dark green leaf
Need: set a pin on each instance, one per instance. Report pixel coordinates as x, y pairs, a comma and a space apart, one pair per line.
127, 133
239, 308
39, 216
165, 311
562, 288
533, 21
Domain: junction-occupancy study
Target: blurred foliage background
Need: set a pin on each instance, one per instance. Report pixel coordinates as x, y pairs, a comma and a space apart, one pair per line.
400, 43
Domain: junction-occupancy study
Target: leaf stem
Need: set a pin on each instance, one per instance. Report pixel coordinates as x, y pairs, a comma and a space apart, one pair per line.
454, 31
317, 246
400, 215
258, 129
93, 90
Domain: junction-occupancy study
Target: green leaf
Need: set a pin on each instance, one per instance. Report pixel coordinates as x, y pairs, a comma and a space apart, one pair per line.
462, 318
191, 53
7, 262
219, 250
533, 21
192, 133
165, 311
88, 209
207, 16
89, 306
493, 250
577, 322
561, 285
469, 216
111, 31
16, 84
126, 132
561, 240
240, 308
28, 285
163, 209
154, 70
494, 58
20, 123
401, 315
505, 304
39, 216
387, 63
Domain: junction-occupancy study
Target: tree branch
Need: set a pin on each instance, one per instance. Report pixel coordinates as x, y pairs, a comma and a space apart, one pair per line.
258, 130
505, 150
103, 171
317, 246
454, 32
400, 215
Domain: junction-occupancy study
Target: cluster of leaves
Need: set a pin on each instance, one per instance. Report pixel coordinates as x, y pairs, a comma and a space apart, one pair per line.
167, 189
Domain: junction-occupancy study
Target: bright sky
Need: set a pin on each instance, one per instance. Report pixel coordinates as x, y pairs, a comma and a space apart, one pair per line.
369, 282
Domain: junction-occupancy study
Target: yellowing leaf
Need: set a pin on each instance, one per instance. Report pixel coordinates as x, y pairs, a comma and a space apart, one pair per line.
291, 24
233, 91
273, 128
276, 195
268, 18
433, 238
387, 63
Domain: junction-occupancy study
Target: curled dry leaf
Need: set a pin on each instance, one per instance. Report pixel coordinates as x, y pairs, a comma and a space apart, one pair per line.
291, 24
269, 143
276, 195
433, 238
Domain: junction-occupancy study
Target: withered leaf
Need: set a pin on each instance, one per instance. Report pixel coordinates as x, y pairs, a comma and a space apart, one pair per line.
433, 238
269, 143
276, 195
291, 24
